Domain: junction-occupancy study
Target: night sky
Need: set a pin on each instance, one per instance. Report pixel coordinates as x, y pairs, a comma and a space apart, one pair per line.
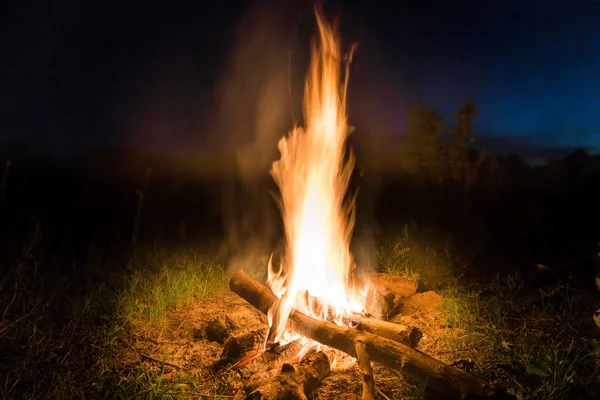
189, 77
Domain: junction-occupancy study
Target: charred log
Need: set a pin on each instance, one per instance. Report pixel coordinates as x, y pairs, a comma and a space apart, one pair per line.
218, 330
238, 348
414, 365
294, 382
273, 358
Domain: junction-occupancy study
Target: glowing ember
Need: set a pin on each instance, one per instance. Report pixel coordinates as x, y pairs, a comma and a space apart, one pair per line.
313, 174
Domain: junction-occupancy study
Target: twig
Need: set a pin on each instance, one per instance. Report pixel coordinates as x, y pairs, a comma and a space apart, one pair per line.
185, 346
156, 360
180, 324
382, 394
144, 339
148, 358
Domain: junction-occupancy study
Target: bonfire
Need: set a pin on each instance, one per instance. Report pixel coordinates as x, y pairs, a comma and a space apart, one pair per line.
317, 303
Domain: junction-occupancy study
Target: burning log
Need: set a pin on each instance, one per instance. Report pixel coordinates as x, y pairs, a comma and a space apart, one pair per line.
449, 382
294, 382
408, 335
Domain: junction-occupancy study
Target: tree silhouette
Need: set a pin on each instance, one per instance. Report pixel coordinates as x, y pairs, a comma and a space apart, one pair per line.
464, 161
424, 154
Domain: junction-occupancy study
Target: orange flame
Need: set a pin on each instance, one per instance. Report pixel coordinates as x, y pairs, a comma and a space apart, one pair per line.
313, 175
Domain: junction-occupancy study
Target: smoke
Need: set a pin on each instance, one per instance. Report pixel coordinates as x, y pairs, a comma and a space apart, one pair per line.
259, 99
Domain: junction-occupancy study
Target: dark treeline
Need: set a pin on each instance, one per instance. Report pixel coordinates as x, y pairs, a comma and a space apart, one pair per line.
500, 207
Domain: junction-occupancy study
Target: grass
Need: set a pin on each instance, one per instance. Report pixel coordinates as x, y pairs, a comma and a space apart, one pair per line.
506, 332
539, 348
167, 280
417, 251
64, 338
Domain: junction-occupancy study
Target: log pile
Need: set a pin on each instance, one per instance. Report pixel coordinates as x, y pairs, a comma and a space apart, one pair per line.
366, 339
279, 372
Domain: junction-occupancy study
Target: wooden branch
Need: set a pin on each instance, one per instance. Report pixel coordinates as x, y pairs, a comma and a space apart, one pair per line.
294, 382
365, 367
408, 335
449, 382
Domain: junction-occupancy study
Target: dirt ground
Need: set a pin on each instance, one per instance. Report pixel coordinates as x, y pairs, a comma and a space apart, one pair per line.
188, 350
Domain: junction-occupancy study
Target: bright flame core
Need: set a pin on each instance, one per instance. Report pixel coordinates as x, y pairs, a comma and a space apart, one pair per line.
313, 175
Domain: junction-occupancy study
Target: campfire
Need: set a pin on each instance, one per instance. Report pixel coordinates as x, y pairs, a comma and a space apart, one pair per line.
318, 304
